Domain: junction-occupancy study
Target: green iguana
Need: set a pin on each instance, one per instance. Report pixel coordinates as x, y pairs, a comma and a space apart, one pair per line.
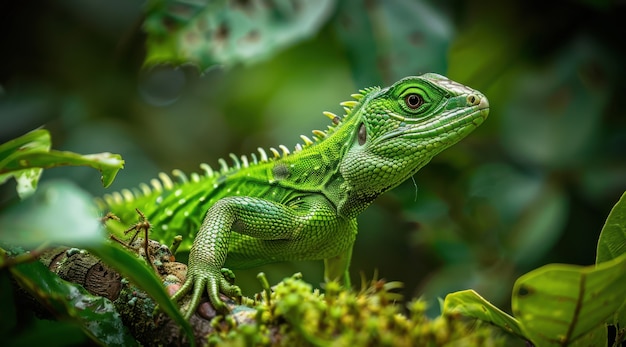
302, 205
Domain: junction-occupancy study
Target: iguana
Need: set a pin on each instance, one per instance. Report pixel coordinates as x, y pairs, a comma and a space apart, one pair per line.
303, 204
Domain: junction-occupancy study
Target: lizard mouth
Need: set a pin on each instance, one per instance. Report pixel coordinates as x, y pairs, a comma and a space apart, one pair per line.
454, 125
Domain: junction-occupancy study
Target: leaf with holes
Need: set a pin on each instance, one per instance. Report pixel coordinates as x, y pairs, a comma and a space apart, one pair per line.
562, 305
207, 33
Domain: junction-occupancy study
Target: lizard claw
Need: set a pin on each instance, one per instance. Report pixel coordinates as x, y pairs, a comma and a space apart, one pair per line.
213, 282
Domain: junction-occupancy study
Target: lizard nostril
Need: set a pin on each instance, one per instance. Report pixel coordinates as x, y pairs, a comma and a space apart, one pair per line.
473, 100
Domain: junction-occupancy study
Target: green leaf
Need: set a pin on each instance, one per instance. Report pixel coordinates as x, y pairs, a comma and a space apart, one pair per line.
597, 337
36, 140
228, 32
612, 241
468, 303
59, 213
107, 163
558, 304
136, 271
96, 315
26, 156
27, 178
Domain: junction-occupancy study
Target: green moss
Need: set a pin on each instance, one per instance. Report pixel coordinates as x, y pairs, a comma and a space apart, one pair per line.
296, 314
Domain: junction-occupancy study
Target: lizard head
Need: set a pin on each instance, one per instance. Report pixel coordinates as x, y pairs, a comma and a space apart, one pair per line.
397, 130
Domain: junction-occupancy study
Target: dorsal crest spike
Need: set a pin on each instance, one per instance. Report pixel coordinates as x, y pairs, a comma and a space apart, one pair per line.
357, 96
319, 134
244, 161
156, 185
307, 141
349, 104
145, 189
335, 118
284, 149
223, 165
167, 181
275, 152
127, 195
263, 154
195, 177
207, 169
117, 198
235, 160
182, 178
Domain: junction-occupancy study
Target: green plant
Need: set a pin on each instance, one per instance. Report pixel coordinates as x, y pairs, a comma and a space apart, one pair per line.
564, 305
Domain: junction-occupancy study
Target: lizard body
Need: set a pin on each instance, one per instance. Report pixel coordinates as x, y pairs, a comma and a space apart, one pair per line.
303, 204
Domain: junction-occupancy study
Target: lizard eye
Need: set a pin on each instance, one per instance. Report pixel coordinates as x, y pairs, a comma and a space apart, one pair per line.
413, 101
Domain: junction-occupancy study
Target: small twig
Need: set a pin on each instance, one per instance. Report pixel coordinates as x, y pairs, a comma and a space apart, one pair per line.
142, 224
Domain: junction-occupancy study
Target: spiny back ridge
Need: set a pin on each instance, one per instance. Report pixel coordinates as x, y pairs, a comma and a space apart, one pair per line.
165, 183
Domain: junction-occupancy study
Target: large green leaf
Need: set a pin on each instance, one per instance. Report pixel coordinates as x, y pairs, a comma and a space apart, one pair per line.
26, 156
59, 213
207, 32
612, 241
557, 304
468, 303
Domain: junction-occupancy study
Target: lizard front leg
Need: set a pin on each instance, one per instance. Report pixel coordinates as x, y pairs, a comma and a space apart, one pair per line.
255, 217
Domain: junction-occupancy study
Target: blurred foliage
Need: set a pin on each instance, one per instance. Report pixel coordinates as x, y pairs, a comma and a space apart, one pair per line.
531, 186
227, 32
563, 304
61, 214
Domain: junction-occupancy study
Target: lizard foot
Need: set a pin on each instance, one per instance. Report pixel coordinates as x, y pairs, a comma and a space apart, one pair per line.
213, 282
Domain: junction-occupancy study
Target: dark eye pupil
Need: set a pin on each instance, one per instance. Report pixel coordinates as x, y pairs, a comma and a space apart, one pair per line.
413, 101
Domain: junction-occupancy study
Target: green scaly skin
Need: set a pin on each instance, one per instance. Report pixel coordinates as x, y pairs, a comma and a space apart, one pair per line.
303, 205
